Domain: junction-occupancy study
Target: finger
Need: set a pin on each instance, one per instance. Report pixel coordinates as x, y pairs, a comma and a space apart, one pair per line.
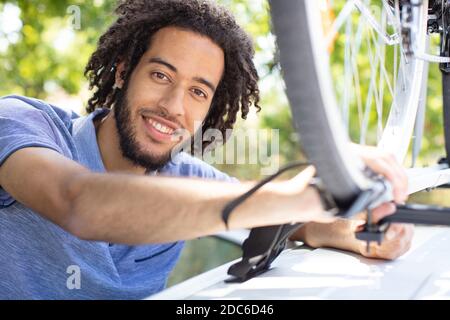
373, 251
296, 184
399, 188
324, 218
394, 231
408, 233
409, 229
387, 250
357, 225
401, 174
388, 166
302, 179
399, 242
382, 167
382, 211
403, 243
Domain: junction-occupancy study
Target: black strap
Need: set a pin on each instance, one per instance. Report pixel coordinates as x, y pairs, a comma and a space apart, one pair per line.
228, 209
326, 198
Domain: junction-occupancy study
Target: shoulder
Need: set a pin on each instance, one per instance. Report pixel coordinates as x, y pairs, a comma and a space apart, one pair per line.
30, 109
27, 122
16, 106
186, 165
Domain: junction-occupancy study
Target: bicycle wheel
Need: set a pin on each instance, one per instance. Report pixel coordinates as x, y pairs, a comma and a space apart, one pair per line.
350, 77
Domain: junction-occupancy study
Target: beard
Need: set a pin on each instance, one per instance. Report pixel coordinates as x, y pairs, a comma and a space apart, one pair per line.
129, 145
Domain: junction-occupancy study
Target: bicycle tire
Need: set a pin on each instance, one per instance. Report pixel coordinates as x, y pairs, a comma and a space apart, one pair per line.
311, 98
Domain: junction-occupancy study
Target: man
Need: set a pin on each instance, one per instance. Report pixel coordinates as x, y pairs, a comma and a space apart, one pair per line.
80, 218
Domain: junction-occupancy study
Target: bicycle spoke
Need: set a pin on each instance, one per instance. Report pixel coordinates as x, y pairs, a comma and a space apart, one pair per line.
359, 91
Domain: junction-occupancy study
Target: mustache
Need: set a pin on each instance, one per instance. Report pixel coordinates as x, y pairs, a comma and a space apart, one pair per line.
148, 112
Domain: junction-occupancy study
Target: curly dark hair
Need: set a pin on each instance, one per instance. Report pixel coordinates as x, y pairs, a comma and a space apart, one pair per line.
130, 36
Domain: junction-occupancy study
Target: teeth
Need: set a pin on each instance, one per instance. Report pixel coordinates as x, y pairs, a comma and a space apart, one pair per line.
160, 127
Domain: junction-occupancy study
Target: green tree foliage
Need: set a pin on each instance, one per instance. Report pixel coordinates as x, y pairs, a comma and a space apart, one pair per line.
52, 45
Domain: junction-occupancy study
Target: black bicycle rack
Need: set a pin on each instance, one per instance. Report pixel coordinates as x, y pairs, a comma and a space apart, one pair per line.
411, 213
264, 244
260, 249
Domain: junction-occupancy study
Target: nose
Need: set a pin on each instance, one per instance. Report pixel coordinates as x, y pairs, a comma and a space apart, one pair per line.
173, 101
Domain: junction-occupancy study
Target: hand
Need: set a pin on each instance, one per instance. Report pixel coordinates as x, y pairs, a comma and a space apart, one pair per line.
387, 165
397, 239
340, 234
295, 200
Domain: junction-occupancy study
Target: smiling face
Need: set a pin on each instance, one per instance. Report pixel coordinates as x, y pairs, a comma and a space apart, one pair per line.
171, 88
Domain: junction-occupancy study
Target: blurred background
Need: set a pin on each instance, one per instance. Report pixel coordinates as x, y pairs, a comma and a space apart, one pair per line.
45, 45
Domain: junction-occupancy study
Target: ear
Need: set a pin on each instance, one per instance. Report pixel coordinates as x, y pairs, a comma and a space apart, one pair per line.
119, 81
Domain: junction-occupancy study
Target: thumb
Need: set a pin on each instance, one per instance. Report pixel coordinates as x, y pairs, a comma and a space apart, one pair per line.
302, 179
382, 211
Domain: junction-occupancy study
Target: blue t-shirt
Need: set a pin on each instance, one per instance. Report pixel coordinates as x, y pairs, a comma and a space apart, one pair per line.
38, 259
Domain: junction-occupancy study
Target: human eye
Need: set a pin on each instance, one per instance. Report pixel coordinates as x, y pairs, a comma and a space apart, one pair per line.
160, 76
199, 93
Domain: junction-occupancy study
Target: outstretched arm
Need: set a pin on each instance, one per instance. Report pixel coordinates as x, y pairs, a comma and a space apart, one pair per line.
134, 209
